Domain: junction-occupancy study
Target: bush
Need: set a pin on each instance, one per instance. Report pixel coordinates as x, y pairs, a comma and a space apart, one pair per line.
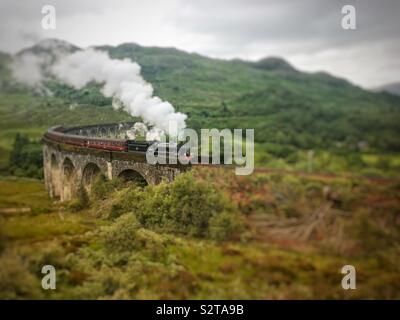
83, 197
370, 235
82, 201
121, 236
185, 206
102, 187
16, 281
226, 225
129, 201
26, 158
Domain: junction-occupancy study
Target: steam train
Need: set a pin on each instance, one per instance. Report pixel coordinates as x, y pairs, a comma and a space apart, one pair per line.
57, 134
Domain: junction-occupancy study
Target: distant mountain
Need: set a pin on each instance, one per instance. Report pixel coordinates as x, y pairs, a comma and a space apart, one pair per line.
393, 88
274, 64
283, 105
51, 47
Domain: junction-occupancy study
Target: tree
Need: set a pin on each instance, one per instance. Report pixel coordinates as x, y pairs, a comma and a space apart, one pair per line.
26, 158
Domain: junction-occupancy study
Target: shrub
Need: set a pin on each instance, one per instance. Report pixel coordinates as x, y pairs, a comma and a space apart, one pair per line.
370, 235
26, 158
226, 225
83, 197
82, 201
131, 200
116, 211
185, 206
74, 205
121, 235
16, 281
102, 187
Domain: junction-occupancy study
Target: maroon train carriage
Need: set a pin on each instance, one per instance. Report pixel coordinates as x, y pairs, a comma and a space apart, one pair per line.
107, 144
56, 134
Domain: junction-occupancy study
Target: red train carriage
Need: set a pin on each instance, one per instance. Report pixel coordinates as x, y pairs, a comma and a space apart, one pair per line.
107, 144
56, 134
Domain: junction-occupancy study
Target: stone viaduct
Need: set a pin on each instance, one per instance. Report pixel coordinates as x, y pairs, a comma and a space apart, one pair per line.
68, 165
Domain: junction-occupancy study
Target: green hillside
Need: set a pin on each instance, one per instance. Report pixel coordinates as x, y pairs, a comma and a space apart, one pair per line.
310, 110
32, 115
349, 129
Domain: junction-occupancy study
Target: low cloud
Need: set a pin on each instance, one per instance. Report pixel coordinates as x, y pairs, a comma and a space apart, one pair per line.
27, 69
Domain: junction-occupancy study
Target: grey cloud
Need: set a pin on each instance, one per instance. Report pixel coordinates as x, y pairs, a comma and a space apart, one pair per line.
306, 32
310, 21
20, 21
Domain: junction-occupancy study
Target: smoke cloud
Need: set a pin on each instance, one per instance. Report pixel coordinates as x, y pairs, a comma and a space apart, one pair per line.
27, 69
122, 80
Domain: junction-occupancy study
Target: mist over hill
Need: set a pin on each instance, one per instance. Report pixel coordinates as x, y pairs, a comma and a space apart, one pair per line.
393, 88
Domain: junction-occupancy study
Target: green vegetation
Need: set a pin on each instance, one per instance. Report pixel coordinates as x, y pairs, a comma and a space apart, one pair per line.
82, 200
100, 256
291, 111
186, 207
102, 187
26, 158
31, 116
211, 234
283, 105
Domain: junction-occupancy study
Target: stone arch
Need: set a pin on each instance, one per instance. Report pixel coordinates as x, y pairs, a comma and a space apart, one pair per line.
89, 174
68, 180
55, 176
133, 176
103, 132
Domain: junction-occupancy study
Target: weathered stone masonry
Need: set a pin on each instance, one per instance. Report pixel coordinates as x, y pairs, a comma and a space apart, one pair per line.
66, 167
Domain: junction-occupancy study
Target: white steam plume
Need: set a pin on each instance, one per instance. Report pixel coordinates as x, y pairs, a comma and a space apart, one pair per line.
27, 69
121, 79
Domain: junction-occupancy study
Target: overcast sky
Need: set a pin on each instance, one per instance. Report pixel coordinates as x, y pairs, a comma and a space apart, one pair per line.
307, 33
